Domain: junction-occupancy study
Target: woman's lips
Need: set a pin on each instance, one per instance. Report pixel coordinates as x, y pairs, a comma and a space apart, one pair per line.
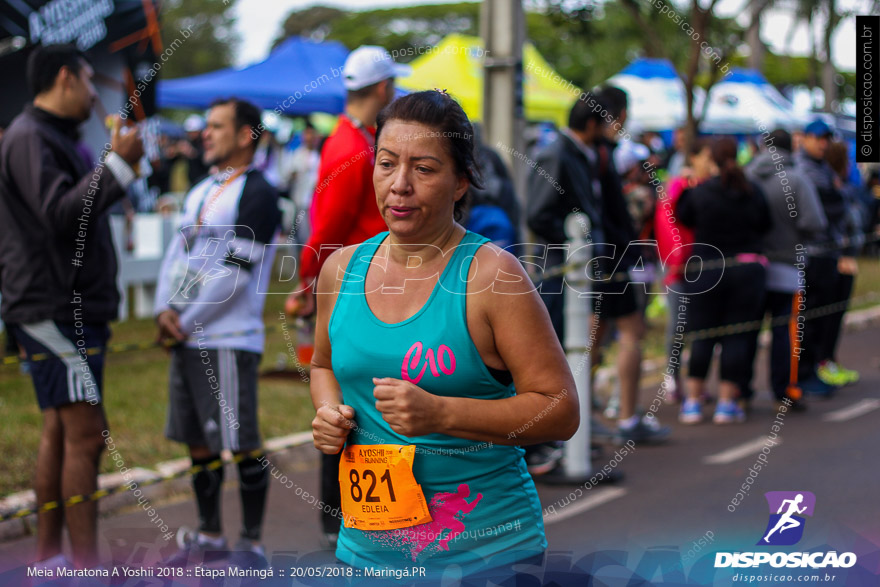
400, 211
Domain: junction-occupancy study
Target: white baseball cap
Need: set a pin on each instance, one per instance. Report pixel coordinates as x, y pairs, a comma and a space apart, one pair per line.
370, 64
194, 123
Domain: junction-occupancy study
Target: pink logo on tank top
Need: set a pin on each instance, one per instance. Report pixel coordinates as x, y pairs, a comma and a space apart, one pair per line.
448, 511
444, 358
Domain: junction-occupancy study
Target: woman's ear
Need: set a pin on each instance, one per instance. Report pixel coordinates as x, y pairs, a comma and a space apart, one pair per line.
461, 187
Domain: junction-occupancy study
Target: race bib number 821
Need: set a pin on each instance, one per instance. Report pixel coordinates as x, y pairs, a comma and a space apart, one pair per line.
379, 491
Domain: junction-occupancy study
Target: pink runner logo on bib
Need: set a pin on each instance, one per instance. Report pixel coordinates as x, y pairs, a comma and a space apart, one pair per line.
444, 358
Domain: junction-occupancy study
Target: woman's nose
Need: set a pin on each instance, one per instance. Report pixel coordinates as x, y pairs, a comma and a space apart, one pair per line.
401, 184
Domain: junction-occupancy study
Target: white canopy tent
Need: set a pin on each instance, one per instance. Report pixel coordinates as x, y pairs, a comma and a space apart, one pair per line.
656, 94
744, 102
741, 103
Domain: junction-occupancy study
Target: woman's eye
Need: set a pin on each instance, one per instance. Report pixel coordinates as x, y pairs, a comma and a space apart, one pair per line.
385, 164
424, 169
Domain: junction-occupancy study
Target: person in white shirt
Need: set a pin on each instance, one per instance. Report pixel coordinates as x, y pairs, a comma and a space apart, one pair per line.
209, 302
302, 170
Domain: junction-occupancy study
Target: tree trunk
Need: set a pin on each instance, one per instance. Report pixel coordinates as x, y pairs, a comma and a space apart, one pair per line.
700, 22
814, 60
829, 87
757, 50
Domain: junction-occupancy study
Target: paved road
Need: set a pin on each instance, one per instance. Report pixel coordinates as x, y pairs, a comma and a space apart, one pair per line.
660, 525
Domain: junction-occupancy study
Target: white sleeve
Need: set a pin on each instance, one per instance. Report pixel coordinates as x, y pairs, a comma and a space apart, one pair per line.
165, 290
121, 170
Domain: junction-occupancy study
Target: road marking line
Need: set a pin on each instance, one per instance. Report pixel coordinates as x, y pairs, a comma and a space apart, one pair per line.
854, 411
740, 451
585, 503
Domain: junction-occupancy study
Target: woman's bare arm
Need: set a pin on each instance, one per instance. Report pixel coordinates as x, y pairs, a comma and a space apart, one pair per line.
545, 406
333, 420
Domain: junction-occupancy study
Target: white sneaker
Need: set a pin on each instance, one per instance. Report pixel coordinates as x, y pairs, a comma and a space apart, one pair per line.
59, 560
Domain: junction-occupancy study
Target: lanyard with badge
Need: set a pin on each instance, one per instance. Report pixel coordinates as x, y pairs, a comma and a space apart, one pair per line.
379, 490
208, 202
185, 277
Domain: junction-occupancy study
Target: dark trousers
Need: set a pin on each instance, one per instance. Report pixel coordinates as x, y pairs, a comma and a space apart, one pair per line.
782, 350
738, 297
825, 286
843, 292
330, 493
781, 306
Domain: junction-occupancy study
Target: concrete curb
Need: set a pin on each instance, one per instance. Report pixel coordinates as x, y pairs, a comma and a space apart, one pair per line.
300, 454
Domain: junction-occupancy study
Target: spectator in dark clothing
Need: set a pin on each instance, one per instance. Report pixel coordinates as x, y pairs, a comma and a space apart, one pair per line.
581, 161
729, 213
672, 238
160, 179
494, 210
193, 149
563, 181
59, 283
798, 220
853, 224
825, 285
622, 302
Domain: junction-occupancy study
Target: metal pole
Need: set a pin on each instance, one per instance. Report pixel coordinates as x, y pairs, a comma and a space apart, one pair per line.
576, 466
502, 26
576, 462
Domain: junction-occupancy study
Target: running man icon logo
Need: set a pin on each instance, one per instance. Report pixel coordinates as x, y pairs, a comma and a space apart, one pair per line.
786, 524
209, 254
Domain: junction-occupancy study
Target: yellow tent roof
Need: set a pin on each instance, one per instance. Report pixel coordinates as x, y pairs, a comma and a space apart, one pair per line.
456, 65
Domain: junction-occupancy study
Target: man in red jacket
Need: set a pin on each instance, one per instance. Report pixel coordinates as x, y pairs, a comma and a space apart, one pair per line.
344, 210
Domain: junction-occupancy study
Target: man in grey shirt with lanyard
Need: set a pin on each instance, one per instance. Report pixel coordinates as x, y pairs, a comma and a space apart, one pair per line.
209, 302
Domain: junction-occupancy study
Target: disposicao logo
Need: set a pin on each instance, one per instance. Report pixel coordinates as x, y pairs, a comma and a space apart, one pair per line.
785, 528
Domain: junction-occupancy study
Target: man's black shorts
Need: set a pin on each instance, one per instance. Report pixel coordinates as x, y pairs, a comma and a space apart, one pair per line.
617, 300
66, 360
213, 399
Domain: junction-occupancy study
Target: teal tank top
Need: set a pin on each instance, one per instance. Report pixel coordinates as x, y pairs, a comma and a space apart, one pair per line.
483, 502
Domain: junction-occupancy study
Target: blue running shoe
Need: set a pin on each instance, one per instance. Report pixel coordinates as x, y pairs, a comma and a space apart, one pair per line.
691, 412
728, 413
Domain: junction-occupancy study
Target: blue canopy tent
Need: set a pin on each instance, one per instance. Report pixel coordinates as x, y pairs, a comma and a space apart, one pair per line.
298, 78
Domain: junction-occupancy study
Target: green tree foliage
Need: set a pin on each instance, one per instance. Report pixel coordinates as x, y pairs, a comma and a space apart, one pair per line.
586, 41
396, 29
212, 44
589, 45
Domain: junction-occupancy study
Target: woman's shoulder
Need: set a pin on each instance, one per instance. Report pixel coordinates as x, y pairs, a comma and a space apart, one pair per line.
496, 270
336, 265
342, 256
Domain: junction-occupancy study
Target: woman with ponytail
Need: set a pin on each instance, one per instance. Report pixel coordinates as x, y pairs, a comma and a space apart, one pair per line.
730, 215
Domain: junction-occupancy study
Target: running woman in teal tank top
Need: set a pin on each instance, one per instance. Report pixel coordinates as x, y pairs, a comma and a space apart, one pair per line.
434, 360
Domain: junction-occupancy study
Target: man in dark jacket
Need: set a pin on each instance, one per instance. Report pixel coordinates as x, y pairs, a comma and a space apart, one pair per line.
576, 172
59, 283
798, 221
623, 301
824, 283
563, 181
